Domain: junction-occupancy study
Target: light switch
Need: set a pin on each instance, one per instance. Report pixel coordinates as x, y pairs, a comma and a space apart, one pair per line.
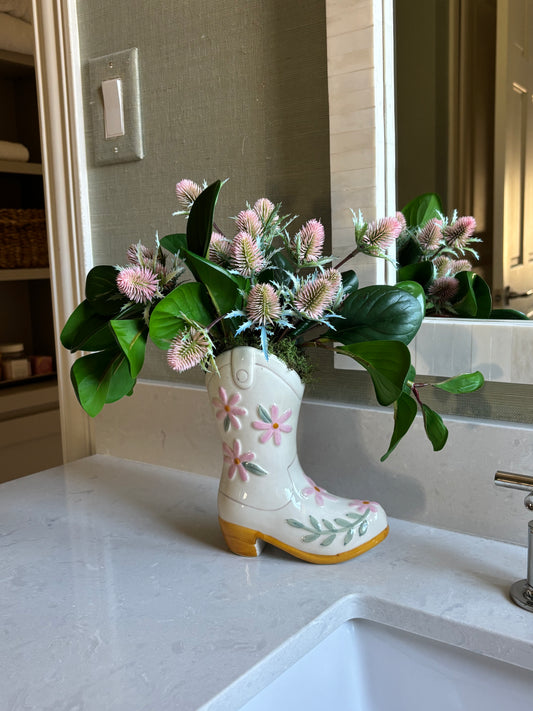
115, 101
113, 108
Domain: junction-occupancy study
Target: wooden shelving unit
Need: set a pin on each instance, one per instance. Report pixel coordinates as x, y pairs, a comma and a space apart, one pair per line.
30, 436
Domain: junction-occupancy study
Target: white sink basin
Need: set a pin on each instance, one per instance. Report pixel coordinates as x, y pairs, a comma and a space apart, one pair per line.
368, 666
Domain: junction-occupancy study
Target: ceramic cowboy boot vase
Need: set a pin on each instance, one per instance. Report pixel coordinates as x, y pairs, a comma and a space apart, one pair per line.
264, 495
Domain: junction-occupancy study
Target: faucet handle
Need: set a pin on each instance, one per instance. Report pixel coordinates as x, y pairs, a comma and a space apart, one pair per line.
514, 481
522, 590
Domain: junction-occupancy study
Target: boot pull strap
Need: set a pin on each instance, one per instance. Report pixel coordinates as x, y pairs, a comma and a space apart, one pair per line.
242, 367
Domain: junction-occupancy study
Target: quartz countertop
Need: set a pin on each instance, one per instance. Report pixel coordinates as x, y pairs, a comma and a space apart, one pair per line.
118, 592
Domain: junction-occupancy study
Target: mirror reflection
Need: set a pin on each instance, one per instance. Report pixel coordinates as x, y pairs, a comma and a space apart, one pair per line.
464, 117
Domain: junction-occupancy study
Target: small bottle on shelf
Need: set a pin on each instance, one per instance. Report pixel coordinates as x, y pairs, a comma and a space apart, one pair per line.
15, 363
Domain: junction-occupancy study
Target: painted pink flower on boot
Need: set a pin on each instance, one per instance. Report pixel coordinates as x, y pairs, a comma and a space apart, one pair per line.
362, 506
236, 459
273, 424
319, 494
227, 410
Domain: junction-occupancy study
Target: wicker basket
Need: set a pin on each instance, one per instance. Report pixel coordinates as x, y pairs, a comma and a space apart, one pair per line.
23, 239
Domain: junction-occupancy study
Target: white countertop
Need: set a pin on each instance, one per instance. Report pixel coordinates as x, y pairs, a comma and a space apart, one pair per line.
118, 593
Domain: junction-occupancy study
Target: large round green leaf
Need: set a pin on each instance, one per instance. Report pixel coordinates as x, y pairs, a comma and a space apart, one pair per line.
87, 330
102, 292
167, 319
388, 364
377, 313
100, 378
131, 335
421, 209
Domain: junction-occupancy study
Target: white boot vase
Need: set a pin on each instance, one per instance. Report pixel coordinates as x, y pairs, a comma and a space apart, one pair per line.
264, 495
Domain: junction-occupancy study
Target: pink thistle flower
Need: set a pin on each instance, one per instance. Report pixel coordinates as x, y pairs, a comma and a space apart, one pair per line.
380, 236
444, 289
460, 265
246, 257
362, 506
219, 249
187, 191
263, 208
333, 277
248, 221
138, 283
273, 424
458, 233
310, 240
430, 235
189, 348
401, 219
140, 255
442, 265
227, 409
263, 304
313, 297
319, 493
236, 460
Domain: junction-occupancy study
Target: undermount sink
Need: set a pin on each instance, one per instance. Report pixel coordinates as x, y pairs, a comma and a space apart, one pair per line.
369, 666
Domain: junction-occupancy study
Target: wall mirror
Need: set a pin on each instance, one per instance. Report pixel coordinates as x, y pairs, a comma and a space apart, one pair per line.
450, 75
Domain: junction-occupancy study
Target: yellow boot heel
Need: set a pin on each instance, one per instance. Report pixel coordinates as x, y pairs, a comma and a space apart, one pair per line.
241, 540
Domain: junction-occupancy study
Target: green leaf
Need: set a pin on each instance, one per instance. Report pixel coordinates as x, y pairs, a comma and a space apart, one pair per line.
387, 362
314, 523
348, 537
421, 272
435, 428
263, 414
222, 286
363, 528
343, 523
466, 303
328, 524
508, 314
174, 243
404, 413
408, 251
483, 297
294, 523
350, 281
465, 383
167, 320
416, 290
200, 222
329, 540
102, 292
87, 330
100, 378
421, 209
377, 313
131, 335
254, 469
310, 537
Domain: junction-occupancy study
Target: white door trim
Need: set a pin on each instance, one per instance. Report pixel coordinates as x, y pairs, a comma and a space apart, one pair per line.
66, 194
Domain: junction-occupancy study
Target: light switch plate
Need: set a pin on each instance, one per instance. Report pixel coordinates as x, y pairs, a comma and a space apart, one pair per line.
129, 147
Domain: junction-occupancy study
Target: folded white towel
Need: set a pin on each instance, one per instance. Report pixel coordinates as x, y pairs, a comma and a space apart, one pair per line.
15, 35
17, 8
13, 151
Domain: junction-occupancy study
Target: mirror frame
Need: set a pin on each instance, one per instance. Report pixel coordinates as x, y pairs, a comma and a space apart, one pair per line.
360, 45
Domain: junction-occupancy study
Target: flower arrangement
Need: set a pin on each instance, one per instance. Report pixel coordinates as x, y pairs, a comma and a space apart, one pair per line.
268, 285
435, 252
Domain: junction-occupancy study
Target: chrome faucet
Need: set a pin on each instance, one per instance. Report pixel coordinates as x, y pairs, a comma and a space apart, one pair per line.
521, 591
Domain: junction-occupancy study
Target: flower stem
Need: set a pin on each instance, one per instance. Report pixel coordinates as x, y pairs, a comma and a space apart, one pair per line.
349, 256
